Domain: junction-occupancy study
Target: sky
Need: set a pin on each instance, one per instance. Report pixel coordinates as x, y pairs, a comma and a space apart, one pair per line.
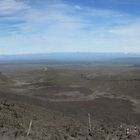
46, 26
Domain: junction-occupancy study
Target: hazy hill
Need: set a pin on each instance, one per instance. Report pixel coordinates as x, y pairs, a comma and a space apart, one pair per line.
71, 58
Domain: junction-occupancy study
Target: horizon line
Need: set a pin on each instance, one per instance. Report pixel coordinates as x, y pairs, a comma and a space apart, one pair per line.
18, 54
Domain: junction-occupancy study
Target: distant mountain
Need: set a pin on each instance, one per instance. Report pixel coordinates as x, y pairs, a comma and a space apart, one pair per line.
70, 58
128, 60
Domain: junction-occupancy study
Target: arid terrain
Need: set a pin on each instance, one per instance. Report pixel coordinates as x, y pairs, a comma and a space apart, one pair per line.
69, 102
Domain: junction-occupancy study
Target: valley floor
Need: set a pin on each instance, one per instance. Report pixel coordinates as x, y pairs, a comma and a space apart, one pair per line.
58, 99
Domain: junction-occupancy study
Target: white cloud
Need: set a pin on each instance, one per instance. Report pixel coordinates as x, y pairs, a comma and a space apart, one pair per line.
63, 27
12, 6
78, 7
131, 30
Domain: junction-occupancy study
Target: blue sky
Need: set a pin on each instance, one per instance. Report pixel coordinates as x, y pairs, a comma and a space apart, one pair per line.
44, 26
